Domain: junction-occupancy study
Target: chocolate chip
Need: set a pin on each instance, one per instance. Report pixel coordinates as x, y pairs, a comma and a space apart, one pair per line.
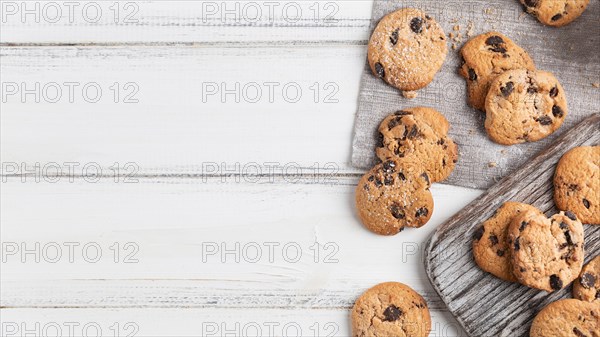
416, 25
556, 17
563, 225
494, 40
544, 120
426, 177
394, 37
517, 244
414, 132
531, 3
397, 211
587, 280
507, 89
493, 239
423, 211
532, 90
402, 113
441, 141
472, 75
378, 183
394, 122
523, 225
555, 282
557, 111
586, 203
500, 252
571, 215
388, 180
554, 92
578, 332
380, 70
392, 313
389, 166
402, 176
568, 238
371, 178
478, 233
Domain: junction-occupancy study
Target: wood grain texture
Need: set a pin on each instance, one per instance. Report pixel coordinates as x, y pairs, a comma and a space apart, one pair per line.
483, 304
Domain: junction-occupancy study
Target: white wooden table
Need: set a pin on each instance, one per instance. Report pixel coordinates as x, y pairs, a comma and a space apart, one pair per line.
180, 168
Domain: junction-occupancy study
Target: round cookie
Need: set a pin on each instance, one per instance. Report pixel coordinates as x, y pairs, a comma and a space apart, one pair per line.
587, 286
490, 249
577, 183
419, 135
524, 106
407, 49
567, 318
394, 195
555, 13
546, 253
486, 56
390, 309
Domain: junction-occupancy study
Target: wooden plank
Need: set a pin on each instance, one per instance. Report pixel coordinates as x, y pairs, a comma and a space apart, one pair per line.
168, 22
482, 303
169, 127
173, 222
194, 322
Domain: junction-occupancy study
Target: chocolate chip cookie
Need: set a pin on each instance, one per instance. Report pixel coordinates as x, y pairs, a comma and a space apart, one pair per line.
567, 318
587, 286
393, 195
555, 13
524, 106
486, 56
490, 248
546, 253
419, 135
577, 183
407, 49
390, 309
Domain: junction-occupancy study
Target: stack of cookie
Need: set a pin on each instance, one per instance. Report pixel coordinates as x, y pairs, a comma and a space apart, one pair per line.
415, 151
518, 243
522, 104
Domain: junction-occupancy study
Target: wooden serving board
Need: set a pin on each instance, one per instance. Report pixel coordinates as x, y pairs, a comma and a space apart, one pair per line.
483, 304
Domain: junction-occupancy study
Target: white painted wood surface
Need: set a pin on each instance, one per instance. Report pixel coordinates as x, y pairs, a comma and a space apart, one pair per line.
194, 174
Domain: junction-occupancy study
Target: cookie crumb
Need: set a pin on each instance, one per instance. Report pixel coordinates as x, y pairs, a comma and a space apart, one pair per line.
596, 84
410, 94
492, 164
456, 28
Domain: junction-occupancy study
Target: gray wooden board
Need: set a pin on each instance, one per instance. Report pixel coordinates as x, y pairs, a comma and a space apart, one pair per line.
571, 53
482, 303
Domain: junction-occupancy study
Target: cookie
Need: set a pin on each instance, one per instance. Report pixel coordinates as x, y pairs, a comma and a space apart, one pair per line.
524, 106
587, 286
390, 309
486, 56
577, 183
419, 135
407, 49
555, 13
394, 195
567, 318
490, 249
546, 253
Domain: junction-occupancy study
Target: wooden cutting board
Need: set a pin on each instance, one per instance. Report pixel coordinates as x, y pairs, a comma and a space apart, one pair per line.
482, 303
